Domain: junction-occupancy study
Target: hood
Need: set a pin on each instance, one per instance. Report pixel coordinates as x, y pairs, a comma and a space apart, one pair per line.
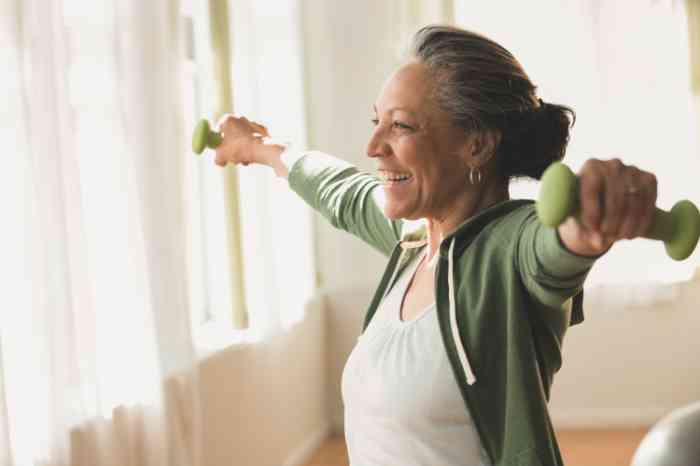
415, 234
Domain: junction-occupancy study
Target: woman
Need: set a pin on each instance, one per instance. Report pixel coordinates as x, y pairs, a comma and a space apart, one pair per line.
463, 337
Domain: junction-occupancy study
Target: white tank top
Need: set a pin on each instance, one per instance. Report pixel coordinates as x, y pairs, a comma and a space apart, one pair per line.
402, 403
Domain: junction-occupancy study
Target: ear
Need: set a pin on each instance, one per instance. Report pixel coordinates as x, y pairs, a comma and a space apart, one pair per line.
481, 147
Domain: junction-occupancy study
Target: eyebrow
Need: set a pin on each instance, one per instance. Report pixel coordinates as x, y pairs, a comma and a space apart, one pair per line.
393, 109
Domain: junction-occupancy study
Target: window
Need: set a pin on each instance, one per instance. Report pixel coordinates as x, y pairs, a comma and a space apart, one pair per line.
275, 225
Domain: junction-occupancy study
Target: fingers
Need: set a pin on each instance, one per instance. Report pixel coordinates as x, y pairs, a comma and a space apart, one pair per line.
226, 122
592, 188
229, 124
617, 200
629, 224
237, 134
640, 205
650, 185
260, 129
221, 159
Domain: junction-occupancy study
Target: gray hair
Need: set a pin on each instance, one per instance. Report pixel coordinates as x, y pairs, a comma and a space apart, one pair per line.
483, 87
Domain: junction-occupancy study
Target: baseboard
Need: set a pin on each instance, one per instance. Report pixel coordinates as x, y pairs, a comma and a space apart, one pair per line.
339, 424
601, 418
598, 418
303, 453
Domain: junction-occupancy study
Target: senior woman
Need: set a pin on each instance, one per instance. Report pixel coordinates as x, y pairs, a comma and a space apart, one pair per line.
463, 336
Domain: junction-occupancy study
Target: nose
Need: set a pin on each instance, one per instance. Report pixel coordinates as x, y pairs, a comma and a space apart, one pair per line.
377, 146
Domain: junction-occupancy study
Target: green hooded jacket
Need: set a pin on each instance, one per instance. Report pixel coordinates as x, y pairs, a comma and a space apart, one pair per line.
506, 291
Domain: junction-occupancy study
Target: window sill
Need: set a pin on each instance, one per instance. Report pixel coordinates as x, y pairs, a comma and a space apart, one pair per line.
216, 336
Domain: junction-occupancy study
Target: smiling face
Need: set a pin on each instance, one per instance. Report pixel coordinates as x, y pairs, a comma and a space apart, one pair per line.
415, 140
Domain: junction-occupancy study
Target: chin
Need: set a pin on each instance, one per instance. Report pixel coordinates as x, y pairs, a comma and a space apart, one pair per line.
392, 213
395, 213
400, 208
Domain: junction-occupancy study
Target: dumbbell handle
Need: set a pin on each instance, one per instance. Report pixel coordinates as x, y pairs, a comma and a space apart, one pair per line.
204, 137
558, 199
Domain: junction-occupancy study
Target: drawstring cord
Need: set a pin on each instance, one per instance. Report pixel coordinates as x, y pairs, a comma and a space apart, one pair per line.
471, 378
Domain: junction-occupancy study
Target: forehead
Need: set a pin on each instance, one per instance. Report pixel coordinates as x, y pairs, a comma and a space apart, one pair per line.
408, 88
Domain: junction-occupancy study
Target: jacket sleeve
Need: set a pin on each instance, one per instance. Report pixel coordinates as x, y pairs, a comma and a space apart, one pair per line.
550, 272
349, 199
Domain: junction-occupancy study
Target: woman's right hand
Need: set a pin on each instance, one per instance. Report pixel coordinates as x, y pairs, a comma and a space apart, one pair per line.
242, 141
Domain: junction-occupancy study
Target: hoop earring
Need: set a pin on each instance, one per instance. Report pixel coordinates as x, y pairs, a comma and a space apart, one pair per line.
472, 176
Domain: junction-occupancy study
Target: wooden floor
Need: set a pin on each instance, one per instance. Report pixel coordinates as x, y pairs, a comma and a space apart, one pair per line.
578, 447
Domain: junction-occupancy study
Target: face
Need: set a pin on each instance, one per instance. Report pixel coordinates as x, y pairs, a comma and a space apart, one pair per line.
415, 140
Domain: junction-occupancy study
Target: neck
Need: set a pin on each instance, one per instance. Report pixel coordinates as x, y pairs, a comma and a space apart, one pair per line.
464, 207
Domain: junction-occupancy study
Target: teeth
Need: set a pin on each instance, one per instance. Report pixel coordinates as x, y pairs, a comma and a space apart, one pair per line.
389, 176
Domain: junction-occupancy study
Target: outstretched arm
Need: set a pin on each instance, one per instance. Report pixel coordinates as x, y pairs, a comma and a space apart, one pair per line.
349, 199
617, 202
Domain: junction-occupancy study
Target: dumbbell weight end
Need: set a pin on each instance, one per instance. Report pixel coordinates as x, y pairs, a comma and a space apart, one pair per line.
204, 137
558, 199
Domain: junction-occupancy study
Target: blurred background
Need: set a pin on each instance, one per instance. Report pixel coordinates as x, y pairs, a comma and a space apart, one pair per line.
162, 310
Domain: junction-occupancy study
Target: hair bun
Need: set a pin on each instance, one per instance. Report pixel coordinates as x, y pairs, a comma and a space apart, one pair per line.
538, 139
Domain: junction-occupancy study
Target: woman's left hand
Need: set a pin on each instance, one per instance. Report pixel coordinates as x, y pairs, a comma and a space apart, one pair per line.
617, 202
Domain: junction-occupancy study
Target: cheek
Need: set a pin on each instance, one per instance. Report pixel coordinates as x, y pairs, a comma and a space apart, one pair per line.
440, 182
414, 154
434, 176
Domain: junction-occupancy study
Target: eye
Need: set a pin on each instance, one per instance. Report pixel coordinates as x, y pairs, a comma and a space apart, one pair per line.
374, 121
398, 124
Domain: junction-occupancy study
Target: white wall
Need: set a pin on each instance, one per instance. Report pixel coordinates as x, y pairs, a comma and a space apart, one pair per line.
266, 404
630, 367
346, 65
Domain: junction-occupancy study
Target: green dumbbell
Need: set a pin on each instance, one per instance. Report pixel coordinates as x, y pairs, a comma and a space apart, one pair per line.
679, 229
204, 137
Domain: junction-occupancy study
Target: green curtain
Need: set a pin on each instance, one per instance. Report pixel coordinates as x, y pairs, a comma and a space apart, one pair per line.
221, 45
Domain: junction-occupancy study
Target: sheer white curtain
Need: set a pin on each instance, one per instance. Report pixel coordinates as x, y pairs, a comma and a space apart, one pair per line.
623, 67
97, 362
275, 224
692, 8
411, 15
